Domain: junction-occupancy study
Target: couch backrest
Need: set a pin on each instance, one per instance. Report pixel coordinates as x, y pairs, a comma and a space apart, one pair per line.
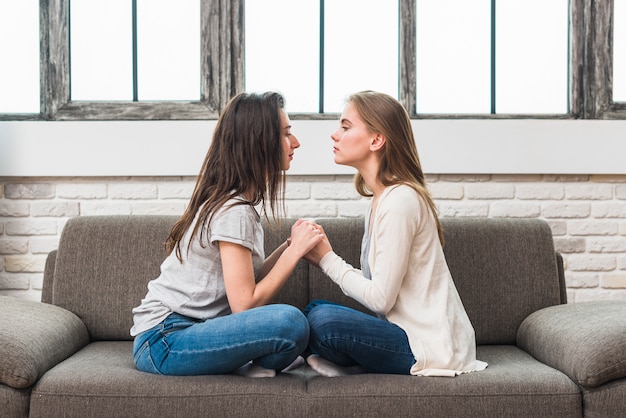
103, 264
504, 269
102, 267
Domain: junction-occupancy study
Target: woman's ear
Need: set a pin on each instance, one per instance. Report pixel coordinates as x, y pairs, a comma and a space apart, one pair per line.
377, 142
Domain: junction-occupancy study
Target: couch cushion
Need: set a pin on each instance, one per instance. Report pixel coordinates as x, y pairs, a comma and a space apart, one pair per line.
504, 269
101, 380
608, 400
514, 385
295, 291
102, 268
345, 235
104, 263
14, 402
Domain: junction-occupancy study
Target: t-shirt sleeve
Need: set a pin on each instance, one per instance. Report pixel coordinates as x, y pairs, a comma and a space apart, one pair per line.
234, 224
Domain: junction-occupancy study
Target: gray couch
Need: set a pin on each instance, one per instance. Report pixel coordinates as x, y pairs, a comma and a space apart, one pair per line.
71, 355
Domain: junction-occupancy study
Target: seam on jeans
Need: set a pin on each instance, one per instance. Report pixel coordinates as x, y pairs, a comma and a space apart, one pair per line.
325, 339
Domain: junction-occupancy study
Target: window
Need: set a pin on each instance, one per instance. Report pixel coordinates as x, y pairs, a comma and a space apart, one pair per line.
282, 51
592, 49
470, 55
479, 57
133, 51
531, 70
392, 46
321, 51
101, 65
220, 61
360, 49
19, 49
453, 56
619, 51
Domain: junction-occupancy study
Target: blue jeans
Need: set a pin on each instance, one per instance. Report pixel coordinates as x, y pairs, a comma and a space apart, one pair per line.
272, 336
348, 337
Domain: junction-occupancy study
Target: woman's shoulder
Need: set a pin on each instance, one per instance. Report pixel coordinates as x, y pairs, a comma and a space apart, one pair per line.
401, 193
237, 208
402, 199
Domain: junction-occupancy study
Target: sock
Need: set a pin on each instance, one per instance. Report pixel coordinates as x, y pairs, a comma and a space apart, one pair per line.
299, 361
252, 370
329, 369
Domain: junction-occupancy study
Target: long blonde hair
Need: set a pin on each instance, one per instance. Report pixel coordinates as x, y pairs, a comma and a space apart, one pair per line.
400, 162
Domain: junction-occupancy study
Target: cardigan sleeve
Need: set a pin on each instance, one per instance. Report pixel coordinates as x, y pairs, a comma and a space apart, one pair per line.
395, 223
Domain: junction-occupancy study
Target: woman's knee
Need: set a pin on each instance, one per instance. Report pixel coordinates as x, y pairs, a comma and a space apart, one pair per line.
292, 322
321, 313
315, 303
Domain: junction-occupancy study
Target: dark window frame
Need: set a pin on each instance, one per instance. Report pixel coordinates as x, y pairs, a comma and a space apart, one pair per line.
222, 74
593, 95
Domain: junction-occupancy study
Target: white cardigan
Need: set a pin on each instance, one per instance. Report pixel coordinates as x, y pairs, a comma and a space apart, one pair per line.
411, 285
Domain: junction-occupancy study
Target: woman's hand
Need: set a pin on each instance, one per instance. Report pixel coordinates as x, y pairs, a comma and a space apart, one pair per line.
242, 290
320, 250
305, 235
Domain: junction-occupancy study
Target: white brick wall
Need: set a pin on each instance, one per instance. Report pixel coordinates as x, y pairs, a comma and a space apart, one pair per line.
587, 215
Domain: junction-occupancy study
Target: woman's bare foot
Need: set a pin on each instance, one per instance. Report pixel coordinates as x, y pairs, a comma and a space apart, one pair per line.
252, 370
329, 369
299, 361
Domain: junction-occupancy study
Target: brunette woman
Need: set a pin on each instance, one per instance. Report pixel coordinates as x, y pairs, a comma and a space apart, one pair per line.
208, 311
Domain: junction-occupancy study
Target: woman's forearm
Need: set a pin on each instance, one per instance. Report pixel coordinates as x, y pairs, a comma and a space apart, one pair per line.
270, 261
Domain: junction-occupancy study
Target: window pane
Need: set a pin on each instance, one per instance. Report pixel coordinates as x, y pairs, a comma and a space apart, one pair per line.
19, 49
619, 51
453, 56
101, 50
282, 51
360, 49
168, 50
531, 56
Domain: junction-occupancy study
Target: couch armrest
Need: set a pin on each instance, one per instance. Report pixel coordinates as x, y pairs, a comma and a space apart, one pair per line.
35, 337
48, 277
586, 341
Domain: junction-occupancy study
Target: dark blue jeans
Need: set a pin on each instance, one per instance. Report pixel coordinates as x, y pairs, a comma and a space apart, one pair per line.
271, 336
348, 337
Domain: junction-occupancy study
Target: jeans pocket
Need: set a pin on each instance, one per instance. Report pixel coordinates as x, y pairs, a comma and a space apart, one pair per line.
176, 322
143, 360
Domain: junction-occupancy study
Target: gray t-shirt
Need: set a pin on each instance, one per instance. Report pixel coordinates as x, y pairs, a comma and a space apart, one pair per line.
195, 287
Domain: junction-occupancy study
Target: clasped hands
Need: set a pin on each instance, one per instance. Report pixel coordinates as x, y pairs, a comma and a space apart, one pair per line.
310, 240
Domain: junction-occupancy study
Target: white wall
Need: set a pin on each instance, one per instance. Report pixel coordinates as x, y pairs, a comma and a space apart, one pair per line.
176, 148
570, 173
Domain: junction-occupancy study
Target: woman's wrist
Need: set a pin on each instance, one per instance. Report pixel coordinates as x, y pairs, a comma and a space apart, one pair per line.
326, 260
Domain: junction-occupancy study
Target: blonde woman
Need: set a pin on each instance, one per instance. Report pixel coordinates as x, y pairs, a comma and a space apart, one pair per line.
421, 326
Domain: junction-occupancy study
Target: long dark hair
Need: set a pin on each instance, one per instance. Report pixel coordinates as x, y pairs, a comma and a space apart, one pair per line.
244, 157
400, 163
